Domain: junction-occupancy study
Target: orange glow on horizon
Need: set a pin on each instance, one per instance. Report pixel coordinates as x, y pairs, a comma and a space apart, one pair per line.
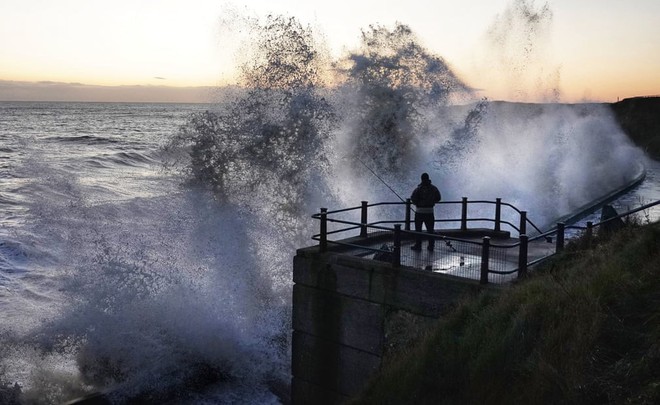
594, 50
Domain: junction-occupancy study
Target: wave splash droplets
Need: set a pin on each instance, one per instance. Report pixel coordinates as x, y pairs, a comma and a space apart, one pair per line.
189, 291
155, 302
289, 145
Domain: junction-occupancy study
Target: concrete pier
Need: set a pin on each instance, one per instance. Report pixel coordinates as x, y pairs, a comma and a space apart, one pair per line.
357, 299
349, 312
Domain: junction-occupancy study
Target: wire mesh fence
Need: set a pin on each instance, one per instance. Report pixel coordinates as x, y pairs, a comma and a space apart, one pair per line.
450, 256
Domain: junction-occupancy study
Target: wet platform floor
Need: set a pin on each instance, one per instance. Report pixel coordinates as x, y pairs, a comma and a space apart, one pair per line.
462, 258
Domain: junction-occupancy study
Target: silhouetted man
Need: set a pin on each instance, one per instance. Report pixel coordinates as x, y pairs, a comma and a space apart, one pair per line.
424, 197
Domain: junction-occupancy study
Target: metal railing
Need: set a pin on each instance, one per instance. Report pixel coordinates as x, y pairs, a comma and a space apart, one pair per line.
464, 220
477, 257
588, 229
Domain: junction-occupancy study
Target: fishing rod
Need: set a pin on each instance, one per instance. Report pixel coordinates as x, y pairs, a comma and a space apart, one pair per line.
379, 178
447, 242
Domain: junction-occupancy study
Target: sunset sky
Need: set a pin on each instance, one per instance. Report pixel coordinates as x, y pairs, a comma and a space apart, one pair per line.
586, 50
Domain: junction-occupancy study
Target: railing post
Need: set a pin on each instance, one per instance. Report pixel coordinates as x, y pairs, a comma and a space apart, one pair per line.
590, 232
464, 204
560, 236
485, 253
522, 256
363, 220
408, 208
396, 259
523, 222
323, 242
498, 213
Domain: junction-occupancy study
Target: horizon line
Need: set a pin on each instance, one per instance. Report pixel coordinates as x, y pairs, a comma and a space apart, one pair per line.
57, 91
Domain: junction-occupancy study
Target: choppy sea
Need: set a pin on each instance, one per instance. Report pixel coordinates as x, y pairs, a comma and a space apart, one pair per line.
115, 274
118, 274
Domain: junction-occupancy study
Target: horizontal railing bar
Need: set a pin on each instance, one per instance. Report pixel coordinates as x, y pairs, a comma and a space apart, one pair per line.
342, 230
543, 235
317, 215
622, 215
372, 249
497, 245
386, 203
647, 206
502, 272
340, 221
520, 212
412, 233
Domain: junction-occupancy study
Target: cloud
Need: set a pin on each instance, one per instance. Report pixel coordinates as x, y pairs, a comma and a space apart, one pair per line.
59, 91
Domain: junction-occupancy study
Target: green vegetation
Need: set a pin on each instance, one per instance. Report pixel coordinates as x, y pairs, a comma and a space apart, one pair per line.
583, 329
638, 118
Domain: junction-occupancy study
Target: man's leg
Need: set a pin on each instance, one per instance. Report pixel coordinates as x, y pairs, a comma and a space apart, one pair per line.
429, 222
418, 228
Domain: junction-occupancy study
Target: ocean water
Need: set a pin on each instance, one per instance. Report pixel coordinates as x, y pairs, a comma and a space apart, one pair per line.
117, 273
146, 249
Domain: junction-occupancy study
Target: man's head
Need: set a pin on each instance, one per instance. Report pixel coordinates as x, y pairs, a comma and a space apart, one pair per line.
425, 177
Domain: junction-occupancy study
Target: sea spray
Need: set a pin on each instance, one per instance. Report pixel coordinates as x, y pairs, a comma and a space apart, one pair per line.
516, 58
163, 302
262, 149
154, 296
185, 292
390, 85
547, 159
393, 109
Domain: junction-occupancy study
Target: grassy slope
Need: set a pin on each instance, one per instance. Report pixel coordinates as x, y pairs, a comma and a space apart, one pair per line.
584, 329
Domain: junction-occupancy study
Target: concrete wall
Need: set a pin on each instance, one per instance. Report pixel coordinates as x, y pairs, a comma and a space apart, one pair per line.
349, 312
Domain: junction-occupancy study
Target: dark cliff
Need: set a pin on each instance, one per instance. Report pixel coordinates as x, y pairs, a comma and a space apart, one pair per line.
639, 118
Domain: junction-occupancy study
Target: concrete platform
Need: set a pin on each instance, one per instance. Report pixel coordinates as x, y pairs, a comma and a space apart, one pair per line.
459, 254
